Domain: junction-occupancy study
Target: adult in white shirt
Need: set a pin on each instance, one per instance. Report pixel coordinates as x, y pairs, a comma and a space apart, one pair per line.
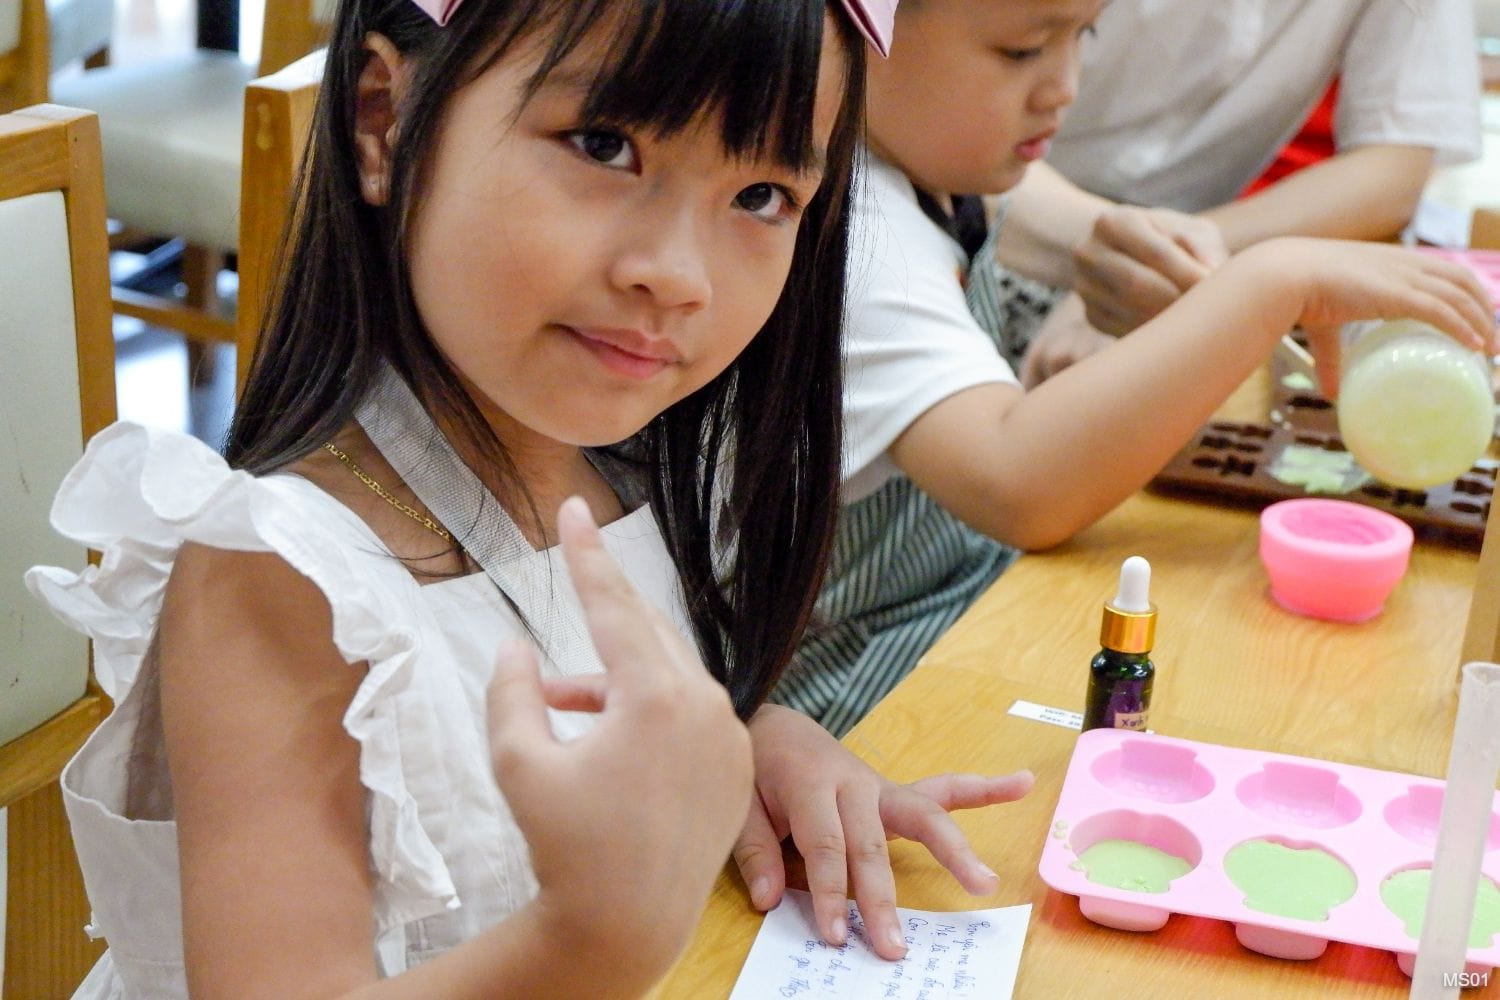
1182, 103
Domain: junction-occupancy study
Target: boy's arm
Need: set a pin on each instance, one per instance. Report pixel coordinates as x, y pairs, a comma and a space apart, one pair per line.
1033, 469
1365, 193
1128, 263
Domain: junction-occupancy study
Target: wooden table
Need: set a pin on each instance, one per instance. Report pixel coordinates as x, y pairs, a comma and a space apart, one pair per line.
1233, 668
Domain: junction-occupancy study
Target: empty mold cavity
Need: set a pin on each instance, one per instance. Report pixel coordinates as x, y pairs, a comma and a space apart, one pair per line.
1299, 793
1415, 816
1336, 527
1152, 770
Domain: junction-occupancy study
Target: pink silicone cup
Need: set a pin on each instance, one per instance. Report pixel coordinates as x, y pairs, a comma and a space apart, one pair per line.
1199, 801
1332, 559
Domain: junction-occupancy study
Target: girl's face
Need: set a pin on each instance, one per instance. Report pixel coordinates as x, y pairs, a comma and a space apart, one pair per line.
582, 278
975, 89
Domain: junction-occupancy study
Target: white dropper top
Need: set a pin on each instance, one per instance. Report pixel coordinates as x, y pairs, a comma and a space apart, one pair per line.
1135, 586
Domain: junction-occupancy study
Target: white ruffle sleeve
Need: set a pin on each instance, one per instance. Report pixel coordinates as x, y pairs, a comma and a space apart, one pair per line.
137, 495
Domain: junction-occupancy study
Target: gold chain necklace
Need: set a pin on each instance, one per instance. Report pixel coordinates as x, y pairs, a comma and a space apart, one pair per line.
380, 491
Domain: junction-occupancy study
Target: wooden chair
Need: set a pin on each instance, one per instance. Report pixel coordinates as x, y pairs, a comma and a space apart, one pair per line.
56, 389
278, 118
24, 58
1484, 229
80, 31
1482, 637
172, 133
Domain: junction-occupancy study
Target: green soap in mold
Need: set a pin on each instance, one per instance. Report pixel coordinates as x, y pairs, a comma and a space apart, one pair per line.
1405, 895
1317, 470
1126, 864
1289, 882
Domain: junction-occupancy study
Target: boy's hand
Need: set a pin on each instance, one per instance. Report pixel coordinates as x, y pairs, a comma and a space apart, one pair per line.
1341, 281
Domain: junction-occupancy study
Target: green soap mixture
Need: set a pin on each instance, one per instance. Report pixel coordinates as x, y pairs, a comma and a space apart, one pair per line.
1126, 864
1317, 470
1289, 882
1405, 895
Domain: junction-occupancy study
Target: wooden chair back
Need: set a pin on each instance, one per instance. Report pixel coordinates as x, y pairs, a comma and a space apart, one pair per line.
25, 59
278, 119
292, 29
56, 390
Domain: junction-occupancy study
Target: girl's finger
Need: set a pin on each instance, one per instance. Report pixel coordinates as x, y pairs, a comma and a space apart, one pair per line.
913, 816
516, 710
973, 791
757, 854
869, 864
818, 832
616, 615
576, 694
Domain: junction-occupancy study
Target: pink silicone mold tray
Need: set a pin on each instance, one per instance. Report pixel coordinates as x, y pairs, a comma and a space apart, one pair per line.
1198, 801
1484, 263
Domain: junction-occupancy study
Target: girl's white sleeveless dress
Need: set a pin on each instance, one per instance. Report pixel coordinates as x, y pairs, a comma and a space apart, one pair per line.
447, 857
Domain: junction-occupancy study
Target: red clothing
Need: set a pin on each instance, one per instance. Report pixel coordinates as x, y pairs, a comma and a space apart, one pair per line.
1311, 145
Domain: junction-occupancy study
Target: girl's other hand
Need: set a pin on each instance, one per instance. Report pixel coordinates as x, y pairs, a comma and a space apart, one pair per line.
629, 824
839, 813
1342, 281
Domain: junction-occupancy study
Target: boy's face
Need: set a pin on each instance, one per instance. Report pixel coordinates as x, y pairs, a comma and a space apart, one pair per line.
975, 89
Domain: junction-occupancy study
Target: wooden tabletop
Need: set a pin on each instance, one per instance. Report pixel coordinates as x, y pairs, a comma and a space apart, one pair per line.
1232, 668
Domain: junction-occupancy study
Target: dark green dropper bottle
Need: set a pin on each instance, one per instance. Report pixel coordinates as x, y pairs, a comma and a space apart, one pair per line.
1121, 675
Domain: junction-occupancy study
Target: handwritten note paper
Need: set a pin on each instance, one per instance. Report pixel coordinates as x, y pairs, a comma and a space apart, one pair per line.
950, 956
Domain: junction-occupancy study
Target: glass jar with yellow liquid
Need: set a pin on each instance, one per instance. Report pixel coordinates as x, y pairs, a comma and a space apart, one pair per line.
1416, 408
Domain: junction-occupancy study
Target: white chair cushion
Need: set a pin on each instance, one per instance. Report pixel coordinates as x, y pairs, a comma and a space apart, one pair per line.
10, 26
43, 664
1487, 18
79, 28
171, 133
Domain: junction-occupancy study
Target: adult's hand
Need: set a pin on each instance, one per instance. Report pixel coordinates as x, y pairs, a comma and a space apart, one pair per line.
1136, 261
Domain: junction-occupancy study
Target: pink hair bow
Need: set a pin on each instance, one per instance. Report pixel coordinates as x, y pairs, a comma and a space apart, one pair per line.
438, 10
876, 18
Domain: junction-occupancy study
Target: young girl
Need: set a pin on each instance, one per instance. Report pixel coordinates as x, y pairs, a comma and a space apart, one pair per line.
536, 230
946, 463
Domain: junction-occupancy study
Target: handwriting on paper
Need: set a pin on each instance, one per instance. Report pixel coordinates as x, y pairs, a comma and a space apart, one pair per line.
950, 956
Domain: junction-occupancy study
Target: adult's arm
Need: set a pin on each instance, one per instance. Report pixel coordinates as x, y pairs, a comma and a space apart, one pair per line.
1365, 193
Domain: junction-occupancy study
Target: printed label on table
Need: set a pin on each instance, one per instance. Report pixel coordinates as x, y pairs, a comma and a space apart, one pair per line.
1046, 713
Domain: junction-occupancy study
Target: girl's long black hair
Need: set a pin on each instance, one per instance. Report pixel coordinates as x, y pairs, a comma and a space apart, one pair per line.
744, 472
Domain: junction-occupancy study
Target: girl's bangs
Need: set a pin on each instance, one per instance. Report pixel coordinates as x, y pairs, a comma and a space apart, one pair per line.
752, 64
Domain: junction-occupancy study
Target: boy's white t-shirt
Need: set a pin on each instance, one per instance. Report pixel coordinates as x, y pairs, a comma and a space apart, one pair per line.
910, 340
1182, 103
447, 858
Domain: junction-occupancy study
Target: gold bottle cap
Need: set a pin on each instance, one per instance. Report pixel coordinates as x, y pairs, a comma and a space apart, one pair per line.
1128, 631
